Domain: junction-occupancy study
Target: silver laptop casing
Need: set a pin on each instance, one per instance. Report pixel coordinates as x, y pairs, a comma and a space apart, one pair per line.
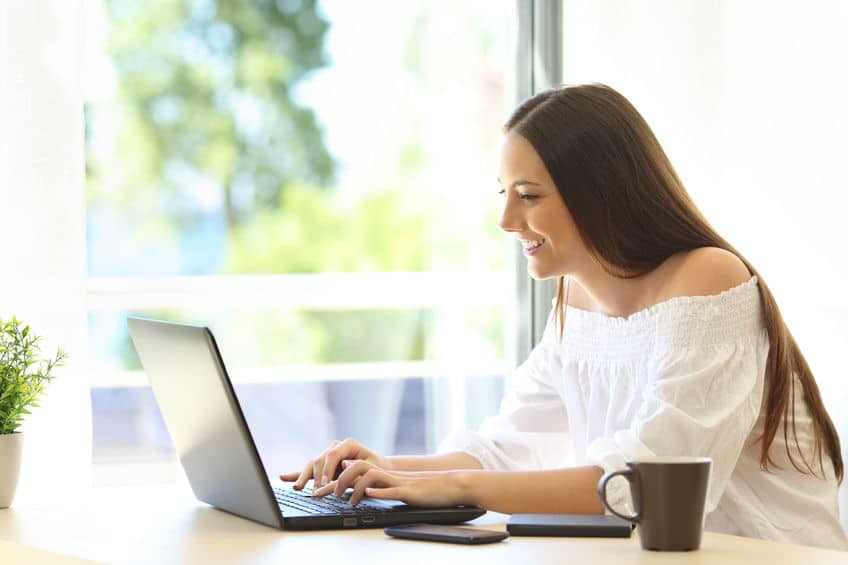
204, 419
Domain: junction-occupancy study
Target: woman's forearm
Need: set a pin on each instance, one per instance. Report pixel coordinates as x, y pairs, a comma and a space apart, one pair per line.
455, 460
560, 491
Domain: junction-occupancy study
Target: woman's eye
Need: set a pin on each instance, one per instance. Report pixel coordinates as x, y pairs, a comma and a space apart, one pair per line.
521, 195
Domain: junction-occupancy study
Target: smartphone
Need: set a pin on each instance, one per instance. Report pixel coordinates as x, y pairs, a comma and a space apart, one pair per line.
447, 534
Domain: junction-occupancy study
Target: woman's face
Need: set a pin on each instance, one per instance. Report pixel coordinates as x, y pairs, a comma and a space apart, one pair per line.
535, 213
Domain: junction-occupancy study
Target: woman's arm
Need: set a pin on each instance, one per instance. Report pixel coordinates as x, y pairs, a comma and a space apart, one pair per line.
561, 491
442, 462
531, 408
327, 465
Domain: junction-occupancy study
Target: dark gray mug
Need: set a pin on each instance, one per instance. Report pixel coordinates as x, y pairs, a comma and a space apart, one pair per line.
668, 495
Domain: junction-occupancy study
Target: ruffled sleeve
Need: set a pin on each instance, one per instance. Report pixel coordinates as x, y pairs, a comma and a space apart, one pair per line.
530, 431
702, 394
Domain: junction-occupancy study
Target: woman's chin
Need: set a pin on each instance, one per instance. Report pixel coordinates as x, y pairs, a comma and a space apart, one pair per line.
540, 274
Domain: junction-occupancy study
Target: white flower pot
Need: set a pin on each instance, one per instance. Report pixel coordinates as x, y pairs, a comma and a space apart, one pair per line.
11, 446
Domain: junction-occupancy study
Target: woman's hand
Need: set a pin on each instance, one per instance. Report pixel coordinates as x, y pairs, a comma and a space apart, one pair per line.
418, 488
327, 466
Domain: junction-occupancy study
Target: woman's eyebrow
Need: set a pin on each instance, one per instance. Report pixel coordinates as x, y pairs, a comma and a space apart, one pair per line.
520, 182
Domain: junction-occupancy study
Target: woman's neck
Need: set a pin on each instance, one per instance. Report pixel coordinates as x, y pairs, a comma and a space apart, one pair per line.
596, 290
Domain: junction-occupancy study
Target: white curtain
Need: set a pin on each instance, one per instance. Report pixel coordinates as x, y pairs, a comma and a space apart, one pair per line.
42, 203
748, 99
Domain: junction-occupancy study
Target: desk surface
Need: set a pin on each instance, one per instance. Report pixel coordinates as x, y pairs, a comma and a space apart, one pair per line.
165, 524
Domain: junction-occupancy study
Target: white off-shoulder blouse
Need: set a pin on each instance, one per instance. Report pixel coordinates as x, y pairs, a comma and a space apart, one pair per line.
683, 377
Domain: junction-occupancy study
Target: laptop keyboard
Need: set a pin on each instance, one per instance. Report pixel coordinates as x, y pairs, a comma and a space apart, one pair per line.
330, 504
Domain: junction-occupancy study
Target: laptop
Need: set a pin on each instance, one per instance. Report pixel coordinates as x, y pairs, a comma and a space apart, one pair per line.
215, 446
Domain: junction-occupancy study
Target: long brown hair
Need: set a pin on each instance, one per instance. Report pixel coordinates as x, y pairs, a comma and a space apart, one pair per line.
633, 213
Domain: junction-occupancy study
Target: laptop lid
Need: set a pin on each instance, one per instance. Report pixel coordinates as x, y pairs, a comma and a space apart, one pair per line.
204, 418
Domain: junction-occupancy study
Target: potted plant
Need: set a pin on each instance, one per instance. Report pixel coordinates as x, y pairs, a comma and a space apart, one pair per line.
23, 378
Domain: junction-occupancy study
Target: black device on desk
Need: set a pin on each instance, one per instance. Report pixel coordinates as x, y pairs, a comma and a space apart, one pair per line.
568, 525
449, 534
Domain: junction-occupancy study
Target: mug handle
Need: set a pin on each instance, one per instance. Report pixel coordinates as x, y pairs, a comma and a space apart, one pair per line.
602, 492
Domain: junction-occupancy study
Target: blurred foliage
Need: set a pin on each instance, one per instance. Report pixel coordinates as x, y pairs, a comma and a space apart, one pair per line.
205, 96
315, 232
205, 136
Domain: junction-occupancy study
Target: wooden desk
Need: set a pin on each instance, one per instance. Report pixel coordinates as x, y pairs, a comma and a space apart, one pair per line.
165, 524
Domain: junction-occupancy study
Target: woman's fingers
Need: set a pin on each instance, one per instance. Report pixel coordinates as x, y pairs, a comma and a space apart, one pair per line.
320, 473
374, 477
353, 471
333, 457
327, 467
367, 479
317, 472
388, 493
325, 490
305, 475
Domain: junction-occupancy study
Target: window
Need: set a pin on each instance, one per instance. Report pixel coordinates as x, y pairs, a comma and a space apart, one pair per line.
315, 182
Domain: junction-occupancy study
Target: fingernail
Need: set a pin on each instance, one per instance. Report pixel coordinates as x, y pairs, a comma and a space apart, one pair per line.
345, 464
324, 480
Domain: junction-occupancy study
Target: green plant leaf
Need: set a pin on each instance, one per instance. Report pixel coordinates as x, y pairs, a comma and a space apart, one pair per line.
23, 372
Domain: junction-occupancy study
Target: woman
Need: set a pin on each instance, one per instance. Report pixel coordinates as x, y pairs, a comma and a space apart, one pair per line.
663, 340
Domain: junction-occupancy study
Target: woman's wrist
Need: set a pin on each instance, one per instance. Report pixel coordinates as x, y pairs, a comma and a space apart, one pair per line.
465, 483
386, 463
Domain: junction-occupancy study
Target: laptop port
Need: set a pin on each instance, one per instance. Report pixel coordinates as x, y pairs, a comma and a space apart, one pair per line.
349, 522
368, 519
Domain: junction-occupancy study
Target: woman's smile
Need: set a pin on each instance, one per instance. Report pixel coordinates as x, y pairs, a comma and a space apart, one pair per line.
531, 247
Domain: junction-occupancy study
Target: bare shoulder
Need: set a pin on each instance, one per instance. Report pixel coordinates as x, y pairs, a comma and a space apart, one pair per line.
704, 272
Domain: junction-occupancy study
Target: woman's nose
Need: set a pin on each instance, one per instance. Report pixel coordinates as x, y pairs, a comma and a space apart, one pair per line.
510, 222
